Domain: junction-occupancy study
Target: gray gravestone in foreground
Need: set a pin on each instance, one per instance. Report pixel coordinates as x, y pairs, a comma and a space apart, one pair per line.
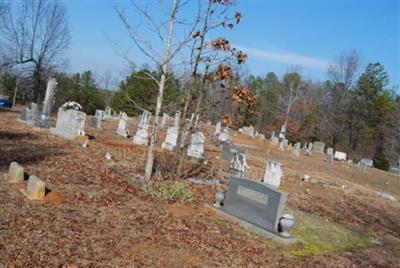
255, 202
44, 120
70, 123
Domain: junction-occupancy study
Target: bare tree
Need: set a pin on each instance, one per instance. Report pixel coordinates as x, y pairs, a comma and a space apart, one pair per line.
170, 50
34, 34
209, 62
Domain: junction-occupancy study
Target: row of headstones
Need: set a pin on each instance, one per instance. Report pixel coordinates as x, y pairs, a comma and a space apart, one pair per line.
196, 145
33, 117
36, 188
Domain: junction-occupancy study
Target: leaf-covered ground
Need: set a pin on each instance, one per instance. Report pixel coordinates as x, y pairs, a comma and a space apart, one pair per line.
106, 220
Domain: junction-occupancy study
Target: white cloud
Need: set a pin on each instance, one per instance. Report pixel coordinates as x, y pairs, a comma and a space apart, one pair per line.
286, 57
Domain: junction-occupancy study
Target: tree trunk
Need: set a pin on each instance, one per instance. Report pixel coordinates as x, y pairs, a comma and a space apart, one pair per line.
194, 76
164, 68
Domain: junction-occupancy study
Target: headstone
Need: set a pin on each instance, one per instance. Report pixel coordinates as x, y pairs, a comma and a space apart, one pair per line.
283, 144
217, 128
362, 166
25, 114
318, 147
275, 141
100, 114
33, 115
96, 122
255, 202
170, 139
15, 173
44, 120
196, 145
142, 136
340, 156
164, 120
70, 124
249, 131
108, 112
229, 149
196, 120
273, 174
329, 155
296, 150
261, 136
122, 130
238, 164
273, 135
282, 134
177, 118
223, 136
309, 149
394, 170
36, 188
368, 162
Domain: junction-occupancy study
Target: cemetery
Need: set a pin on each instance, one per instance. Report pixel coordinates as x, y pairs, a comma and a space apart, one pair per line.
215, 133
101, 209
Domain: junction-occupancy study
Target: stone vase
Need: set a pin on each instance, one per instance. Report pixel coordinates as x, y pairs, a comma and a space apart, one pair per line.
219, 197
286, 223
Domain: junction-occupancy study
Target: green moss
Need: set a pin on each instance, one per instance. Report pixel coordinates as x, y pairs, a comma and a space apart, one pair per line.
170, 191
317, 236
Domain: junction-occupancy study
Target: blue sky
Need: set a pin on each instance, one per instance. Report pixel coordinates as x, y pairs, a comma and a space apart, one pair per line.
277, 35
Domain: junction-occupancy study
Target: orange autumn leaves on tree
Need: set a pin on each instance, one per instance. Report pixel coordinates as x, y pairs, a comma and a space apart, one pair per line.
243, 94
224, 72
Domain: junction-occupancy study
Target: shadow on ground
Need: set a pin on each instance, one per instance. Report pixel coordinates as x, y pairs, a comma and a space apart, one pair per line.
25, 153
8, 135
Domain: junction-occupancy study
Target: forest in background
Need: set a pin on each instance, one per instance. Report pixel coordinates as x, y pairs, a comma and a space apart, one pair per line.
353, 110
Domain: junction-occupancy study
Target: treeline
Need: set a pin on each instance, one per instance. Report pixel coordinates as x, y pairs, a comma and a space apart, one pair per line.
79, 87
361, 119
352, 111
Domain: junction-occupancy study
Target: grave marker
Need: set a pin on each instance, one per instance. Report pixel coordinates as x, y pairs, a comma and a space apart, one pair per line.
255, 202
318, 147
196, 145
70, 124
273, 174
142, 136
15, 173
